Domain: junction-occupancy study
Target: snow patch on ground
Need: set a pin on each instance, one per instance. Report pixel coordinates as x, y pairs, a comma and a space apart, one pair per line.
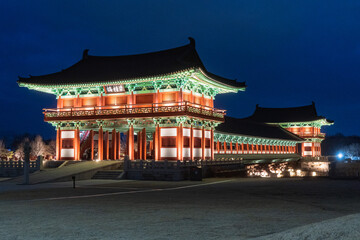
341, 228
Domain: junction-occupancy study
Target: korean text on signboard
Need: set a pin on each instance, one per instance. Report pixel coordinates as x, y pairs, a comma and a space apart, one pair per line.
115, 89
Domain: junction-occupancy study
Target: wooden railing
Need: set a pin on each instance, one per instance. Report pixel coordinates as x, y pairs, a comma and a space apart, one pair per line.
322, 135
134, 109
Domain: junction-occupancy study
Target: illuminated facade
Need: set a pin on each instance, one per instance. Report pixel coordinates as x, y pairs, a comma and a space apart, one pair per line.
302, 121
156, 105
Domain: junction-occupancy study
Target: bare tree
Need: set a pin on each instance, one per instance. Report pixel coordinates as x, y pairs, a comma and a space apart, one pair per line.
38, 146
19, 152
51, 148
352, 151
3, 150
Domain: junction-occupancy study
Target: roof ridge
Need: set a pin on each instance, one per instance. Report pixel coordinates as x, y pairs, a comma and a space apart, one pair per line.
310, 105
142, 54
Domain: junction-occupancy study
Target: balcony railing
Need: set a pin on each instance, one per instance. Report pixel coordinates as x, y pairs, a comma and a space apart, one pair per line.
134, 110
321, 135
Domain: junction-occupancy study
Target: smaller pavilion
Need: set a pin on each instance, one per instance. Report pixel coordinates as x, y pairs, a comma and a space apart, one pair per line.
302, 121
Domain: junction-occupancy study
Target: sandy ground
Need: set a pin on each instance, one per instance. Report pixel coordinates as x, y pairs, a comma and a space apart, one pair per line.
212, 209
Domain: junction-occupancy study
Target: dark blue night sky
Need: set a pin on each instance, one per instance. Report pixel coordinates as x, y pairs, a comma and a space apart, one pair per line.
289, 52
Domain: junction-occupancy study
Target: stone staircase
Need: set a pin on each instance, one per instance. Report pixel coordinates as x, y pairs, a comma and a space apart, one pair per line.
81, 170
109, 174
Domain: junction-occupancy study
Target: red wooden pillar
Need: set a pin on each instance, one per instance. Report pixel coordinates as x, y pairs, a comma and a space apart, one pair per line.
113, 141
92, 144
231, 148
242, 148
302, 149
131, 142
144, 143
107, 145
139, 145
132, 97
191, 143
58, 144
313, 149
218, 146
237, 148
212, 144
101, 144
118, 141
77, 144
157, 143
225, 147
179, 140
180, 95
203, 143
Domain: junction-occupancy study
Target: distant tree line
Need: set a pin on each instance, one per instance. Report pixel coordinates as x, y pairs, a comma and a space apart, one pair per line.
348, 145
39, 147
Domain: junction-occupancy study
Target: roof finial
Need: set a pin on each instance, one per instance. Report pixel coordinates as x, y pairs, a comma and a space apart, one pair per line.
192, 41
85, 53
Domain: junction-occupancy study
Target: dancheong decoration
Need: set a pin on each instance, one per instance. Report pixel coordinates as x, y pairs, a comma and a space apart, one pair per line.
160, 106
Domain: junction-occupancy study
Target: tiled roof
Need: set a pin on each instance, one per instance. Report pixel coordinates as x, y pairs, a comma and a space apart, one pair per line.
281, 115
97, 69
255, 129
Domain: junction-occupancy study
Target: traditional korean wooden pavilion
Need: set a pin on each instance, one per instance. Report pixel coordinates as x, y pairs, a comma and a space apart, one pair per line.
302, 121
157, 105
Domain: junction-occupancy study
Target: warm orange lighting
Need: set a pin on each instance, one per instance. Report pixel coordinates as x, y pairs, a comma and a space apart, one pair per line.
169, 97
